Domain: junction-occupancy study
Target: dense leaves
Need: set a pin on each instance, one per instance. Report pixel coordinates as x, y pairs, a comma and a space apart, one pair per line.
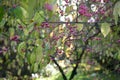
29, 39
116, 11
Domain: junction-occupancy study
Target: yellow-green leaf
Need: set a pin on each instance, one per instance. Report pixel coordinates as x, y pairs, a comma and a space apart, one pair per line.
79, 27
26, 32
21, 47
35, 67
105, 29
12, 31
116, 11
39, 17
32, 58
20, 13
69, 9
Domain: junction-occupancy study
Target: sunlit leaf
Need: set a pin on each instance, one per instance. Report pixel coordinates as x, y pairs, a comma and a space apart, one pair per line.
21, 14
67, 52
21, 47
105, 29
32, 7
19, 72
35, 67
38, 42
26, 32
30, 27
44, 62
79, 27
39, 51
12, 31
39, 17
61, 28
51, 34
2, 23
59, 42
32, 58
116, 11
69, 9
51, 1
55, 7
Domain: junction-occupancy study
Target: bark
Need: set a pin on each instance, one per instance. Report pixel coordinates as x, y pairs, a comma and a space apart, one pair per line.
60, 69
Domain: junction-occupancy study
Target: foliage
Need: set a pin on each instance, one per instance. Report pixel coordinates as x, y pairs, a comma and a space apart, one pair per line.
116, 11
29, 38
93, 75
20, 53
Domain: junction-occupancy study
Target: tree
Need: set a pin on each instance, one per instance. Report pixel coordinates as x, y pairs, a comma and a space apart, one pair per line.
32, 34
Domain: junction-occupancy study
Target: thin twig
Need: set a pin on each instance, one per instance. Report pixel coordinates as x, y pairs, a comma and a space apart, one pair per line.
79, 22
74, 71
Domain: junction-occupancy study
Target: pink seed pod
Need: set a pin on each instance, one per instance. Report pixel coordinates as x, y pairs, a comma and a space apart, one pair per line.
48, 7
1, 51
14, 6
67, 1
15, 38
118, 41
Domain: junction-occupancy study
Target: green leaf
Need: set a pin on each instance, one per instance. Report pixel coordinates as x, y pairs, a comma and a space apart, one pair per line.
24, 3
19, 72
21, 47
32, 58
31, 6
118, 55
39, 50
28, 55
117, 6
20, 22
39, 17
50, 51
79, 27
35, 34
1, 60
116, 11
30, 27
51, 1
47, 45
105, 29
20, 13
35, 67
39, 42
44, 62
11, 31
2, 23
69, 9
26, 32
1, 13
59, 42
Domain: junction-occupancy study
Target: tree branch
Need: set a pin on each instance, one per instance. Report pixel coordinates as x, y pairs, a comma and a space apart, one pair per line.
60, 69
78, 22
74, 71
